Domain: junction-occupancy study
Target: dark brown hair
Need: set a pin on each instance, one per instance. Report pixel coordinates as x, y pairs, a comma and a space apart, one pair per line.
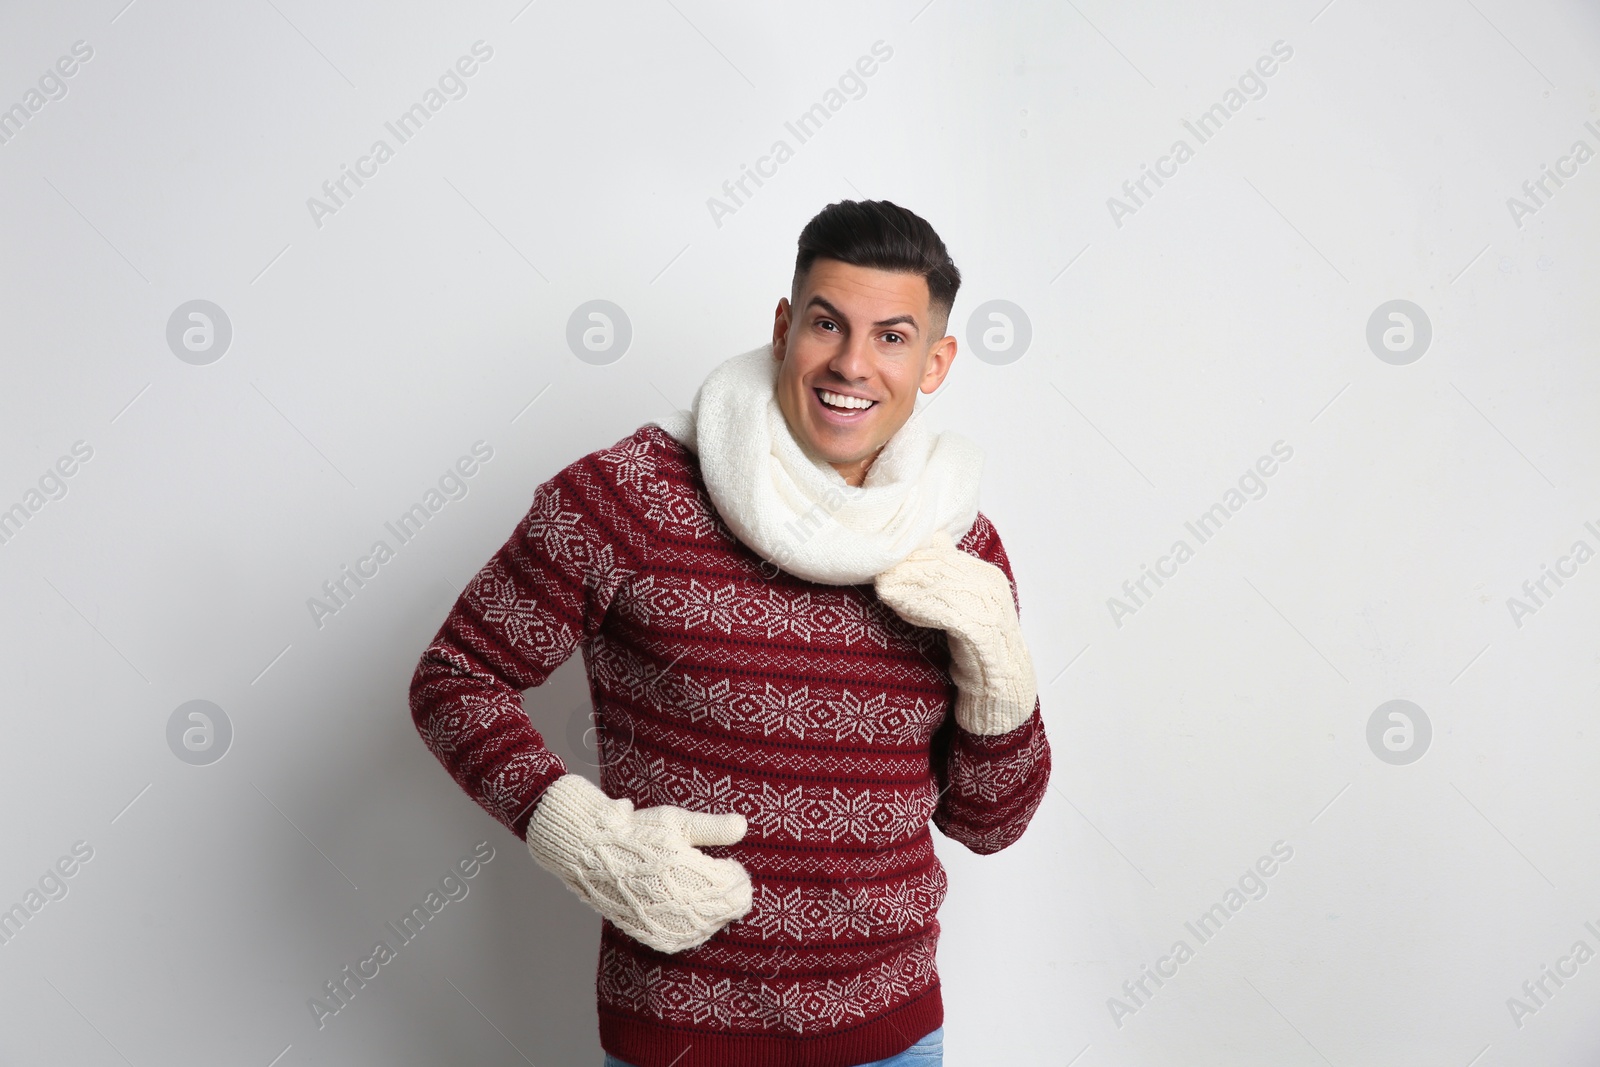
884, 235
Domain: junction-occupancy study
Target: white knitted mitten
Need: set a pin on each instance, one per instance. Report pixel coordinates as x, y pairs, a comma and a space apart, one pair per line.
940, 586
640, 869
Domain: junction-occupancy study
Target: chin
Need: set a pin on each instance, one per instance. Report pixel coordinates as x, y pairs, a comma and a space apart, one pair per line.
852, 452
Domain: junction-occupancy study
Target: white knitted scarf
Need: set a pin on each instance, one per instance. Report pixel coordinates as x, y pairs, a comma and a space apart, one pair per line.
799, 513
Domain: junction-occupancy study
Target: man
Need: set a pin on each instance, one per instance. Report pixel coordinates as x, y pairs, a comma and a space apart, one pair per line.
802, 645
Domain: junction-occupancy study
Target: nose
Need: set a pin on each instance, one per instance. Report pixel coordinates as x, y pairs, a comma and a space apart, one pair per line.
853, 360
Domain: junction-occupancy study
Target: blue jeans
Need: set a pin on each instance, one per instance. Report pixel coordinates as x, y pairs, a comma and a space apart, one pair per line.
929, 1052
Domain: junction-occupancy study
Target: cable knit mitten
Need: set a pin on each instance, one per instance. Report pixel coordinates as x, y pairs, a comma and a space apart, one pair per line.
940, 586
640, 869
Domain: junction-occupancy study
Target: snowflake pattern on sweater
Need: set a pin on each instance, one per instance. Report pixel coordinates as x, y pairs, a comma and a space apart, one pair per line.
812, 710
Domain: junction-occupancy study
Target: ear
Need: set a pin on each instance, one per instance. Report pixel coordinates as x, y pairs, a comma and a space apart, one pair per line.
940, 356
780, 329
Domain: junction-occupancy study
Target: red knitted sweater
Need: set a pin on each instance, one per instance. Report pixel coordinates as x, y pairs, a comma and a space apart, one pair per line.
721, 684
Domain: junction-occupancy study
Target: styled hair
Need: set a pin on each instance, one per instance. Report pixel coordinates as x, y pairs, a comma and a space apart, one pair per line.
883, 235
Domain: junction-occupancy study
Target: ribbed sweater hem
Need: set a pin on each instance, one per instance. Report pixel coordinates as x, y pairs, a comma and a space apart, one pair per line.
645, 1043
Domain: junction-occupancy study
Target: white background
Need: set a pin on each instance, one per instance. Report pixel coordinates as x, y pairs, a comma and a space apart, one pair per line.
1168, 353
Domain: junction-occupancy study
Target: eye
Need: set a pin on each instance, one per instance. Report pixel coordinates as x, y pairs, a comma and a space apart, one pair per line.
825, 322
893, 335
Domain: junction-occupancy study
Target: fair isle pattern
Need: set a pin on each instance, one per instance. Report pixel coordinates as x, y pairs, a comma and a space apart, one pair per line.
878, 818
757, 1003
802, 913
761, 708
812, 710
769, 615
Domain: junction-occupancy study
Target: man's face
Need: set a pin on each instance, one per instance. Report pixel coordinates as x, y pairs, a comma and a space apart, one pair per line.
855, 332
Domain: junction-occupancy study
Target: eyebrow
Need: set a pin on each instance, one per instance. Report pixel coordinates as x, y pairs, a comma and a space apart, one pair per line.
836, 313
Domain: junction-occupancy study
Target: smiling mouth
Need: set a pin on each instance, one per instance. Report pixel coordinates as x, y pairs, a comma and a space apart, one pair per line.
842, 404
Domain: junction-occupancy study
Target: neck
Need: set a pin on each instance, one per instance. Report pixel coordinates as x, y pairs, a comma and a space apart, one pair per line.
855, 473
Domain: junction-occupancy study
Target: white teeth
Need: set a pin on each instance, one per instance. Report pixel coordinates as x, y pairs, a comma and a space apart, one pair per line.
838, 400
